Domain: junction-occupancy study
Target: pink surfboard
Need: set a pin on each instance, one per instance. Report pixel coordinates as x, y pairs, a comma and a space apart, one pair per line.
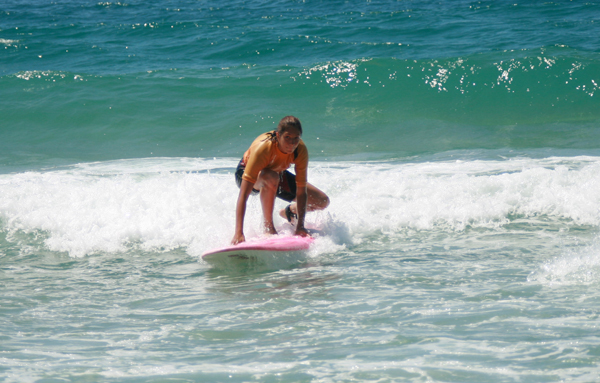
254, 249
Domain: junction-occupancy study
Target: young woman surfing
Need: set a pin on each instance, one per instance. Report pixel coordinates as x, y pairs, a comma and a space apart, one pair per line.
263, 169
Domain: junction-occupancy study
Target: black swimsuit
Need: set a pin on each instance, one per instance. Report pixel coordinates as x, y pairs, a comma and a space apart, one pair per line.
287, 183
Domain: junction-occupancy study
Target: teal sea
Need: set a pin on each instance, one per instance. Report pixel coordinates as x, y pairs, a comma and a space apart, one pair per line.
458, 141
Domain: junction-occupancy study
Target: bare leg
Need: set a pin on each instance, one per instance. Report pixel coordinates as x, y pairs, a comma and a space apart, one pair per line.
317, 200
267, 183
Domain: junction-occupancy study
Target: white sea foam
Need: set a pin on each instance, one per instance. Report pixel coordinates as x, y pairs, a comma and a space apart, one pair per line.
163, 204
579, 266
477, 193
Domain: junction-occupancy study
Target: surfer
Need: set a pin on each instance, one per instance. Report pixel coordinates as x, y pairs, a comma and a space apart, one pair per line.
263, 169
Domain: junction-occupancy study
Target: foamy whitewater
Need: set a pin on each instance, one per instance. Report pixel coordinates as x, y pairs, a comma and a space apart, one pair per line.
165, 204
458, 142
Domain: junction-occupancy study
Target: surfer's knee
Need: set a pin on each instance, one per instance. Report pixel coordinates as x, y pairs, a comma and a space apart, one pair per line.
326, 201
323, 201
319, 201
268, 179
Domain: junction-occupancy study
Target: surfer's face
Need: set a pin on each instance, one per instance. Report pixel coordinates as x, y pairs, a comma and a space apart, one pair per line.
288, 140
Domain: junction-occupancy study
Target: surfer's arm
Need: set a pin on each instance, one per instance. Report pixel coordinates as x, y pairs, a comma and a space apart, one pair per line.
240, 211
301, 198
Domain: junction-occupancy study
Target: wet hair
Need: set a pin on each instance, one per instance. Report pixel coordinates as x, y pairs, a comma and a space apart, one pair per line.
289, 122
285, 124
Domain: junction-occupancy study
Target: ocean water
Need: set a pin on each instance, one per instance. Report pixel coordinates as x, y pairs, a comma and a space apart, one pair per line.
459, 142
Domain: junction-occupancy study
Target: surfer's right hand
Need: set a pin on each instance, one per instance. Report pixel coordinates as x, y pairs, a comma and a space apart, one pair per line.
302, 232
238, 238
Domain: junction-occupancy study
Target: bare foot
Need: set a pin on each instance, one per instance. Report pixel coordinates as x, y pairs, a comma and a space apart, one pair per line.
270, 229
288, 216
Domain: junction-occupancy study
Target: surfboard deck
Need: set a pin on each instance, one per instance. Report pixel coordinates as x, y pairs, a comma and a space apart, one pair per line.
255, 249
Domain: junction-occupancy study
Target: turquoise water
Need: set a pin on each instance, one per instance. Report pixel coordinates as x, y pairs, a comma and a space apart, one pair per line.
458, 142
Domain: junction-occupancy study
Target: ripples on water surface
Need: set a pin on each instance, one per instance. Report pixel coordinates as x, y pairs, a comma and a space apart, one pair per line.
459, 294
458, 141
